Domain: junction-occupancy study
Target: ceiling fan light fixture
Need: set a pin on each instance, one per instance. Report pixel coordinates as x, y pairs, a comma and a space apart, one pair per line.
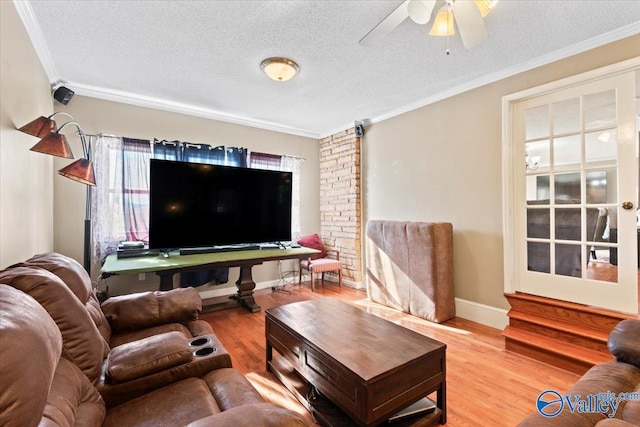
443, 24
279, 69
485, 6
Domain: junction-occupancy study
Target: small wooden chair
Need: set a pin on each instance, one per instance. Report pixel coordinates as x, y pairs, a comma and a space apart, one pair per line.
322, 265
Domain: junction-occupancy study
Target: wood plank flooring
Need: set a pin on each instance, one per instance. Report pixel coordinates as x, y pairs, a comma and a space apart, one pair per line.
486, 385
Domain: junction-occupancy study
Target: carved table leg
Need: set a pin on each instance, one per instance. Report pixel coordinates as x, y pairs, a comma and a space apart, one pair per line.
246, 285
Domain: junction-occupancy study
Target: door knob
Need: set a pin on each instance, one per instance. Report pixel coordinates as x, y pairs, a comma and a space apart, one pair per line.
627, 205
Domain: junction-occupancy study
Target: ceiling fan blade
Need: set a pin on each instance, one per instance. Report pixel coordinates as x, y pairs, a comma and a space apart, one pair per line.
420, 10
385, 26
470, 23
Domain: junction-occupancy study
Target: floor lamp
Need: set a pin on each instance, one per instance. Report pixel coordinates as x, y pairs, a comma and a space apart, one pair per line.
54, 143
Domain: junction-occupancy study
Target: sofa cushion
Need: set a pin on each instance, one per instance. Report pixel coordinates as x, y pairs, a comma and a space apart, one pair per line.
147, 309
81, 340
313, 241
147, 356
624, 342
25, 380
72, 399
76, 278
177, 404
230, 388
253, 415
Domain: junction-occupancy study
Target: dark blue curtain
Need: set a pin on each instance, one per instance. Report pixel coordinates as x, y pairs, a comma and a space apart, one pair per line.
204, 153
167, 150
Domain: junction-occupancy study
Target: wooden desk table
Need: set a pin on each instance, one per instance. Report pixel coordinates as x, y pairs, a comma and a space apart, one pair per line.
166, 267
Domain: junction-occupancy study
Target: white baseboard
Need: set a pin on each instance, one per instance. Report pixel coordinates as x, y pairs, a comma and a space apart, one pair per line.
481, 313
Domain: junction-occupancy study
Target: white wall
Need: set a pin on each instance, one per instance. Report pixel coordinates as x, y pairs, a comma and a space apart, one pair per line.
96, 116
26, 188
442, 162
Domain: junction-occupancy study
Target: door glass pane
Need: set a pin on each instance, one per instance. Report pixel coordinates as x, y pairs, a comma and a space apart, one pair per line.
538, 189
600, 109
566, 116
568, 225
538, 257
538, 224
601, 146
568, 260
537, 156
596, 184
537, 122
566, 151
567, 186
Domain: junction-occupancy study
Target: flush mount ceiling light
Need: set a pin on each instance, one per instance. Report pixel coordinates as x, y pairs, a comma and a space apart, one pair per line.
279, 69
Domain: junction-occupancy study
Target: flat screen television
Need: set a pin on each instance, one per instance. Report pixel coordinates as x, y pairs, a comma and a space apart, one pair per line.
195, 205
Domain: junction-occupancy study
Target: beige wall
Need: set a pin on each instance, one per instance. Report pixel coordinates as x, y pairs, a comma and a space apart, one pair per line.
114, 118
26, 189
442, 162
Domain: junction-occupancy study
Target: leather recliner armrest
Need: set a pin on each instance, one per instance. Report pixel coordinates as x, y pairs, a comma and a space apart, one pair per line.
624, 342
147, 309
147, 356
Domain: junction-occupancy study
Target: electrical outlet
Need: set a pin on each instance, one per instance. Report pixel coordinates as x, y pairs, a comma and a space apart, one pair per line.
141, 276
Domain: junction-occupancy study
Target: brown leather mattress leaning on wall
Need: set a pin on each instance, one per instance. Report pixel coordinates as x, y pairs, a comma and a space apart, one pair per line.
409, 266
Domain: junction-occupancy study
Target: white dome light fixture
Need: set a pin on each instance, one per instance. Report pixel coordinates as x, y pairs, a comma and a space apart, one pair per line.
279, 69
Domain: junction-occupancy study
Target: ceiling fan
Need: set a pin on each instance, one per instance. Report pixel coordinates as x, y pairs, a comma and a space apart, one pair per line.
467, 14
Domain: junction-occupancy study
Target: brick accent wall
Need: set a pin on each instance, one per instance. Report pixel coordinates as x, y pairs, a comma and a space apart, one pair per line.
340, 212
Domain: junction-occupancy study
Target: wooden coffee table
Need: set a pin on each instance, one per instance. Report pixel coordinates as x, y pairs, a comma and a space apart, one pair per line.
368, 367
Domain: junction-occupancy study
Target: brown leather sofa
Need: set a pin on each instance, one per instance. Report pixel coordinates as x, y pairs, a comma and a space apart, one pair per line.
130, 345
621, 376
42, 386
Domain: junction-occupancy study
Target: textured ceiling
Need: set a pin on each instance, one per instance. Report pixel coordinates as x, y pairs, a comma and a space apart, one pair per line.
202, 57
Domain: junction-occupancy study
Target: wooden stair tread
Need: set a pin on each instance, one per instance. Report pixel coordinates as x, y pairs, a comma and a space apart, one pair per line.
571, 306
584, 331
554, 346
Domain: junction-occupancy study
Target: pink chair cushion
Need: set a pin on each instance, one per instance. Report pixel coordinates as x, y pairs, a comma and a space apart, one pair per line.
313, 241
322, 264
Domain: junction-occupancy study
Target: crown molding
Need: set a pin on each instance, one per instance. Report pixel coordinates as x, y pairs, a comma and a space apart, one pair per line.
189, 110
610, 37
37, 39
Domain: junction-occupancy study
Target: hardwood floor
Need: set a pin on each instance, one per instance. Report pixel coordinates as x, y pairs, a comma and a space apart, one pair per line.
486, 385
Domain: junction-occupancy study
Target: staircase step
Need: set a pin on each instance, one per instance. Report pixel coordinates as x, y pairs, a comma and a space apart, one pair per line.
567, 332
564, 334
567, 312
553, 351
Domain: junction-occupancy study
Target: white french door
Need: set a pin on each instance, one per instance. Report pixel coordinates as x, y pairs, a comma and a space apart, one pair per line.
571, 167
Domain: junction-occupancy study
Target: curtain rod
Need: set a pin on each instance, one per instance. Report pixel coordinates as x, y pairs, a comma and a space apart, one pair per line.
101, 134
194, 145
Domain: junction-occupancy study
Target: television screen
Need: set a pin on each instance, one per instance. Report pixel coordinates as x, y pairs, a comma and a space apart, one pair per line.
202, 205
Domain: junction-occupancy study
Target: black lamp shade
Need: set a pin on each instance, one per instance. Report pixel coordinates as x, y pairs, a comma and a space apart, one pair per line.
81, 170
39, 127
54, 144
